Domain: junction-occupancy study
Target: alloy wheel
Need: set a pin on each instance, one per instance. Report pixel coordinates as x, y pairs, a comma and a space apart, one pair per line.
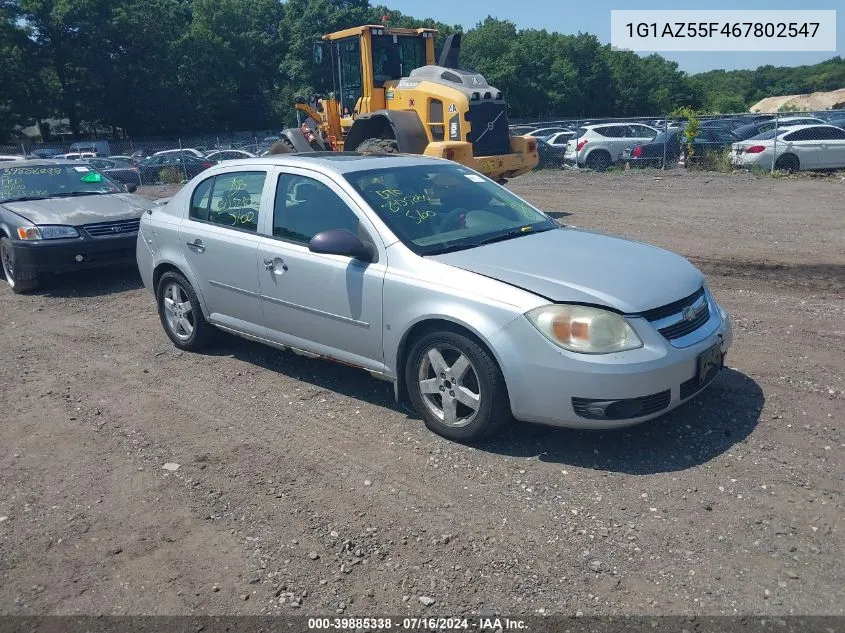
449, 385
178, 311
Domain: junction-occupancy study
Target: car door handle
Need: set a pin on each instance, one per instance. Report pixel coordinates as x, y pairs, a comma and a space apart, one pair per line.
270, 264
197, 245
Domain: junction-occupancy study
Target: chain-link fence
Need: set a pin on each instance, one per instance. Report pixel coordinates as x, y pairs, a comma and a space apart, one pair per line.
788, 141
148, 161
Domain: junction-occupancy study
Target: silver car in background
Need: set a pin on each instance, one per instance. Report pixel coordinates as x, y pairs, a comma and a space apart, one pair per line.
478, 307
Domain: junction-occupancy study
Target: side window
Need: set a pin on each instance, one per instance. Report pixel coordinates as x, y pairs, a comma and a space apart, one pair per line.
200, 199
305, 207
236, 198
608, 132
435, 115
799, 135
834, 133
641, 131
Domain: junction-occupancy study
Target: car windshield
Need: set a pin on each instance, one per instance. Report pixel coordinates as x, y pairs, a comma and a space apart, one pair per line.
52, 181
439, 208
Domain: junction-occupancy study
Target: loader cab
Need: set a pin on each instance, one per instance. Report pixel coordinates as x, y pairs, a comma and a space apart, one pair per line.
364, 59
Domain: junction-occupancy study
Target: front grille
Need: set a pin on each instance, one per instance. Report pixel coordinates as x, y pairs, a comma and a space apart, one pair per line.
621, 409
691, 386
681, 325
672, 308
489, 134
122, 227
683, 328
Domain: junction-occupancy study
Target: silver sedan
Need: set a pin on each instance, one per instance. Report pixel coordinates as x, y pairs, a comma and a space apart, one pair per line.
479, 308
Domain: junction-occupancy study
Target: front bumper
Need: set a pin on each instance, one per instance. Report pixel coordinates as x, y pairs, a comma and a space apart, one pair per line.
78, 253
543, 380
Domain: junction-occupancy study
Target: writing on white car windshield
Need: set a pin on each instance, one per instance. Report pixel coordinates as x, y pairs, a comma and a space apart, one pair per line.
440, 208
52, 181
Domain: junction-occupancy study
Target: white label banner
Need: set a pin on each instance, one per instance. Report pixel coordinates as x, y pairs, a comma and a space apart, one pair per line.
711, 30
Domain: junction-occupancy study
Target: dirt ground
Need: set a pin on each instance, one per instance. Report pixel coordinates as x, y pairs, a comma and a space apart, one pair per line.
302, 487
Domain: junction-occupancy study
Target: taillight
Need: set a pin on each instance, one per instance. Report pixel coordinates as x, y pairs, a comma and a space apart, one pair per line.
206, 165
581, 144
637, 151
450, 153
532, 146
754, 149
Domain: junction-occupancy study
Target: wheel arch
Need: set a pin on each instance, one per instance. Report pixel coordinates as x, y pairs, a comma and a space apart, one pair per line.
429, 324
167, 266
404, 126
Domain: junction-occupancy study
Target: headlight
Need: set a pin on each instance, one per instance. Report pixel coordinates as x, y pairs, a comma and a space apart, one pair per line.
47, 232
583, 329
56, 232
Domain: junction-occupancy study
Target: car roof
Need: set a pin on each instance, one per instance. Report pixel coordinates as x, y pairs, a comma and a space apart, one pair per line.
795, 128
42, 162
338, 162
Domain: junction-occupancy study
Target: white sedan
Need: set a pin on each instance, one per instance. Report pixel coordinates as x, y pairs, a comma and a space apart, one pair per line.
793, 149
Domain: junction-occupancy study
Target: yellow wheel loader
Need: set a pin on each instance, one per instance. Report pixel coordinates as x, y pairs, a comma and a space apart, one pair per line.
390, 96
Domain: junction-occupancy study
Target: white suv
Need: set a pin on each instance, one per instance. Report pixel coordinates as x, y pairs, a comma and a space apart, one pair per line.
601, 145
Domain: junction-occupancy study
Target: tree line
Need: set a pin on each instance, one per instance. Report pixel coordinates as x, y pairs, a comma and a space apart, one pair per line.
153, 67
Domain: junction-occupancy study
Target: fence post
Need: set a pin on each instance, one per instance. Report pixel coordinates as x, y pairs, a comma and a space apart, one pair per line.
182, 160
775, 143
24, 150
665, 140
575, 142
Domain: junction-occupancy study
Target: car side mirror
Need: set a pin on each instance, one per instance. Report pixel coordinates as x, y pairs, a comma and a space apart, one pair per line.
131, 188
341, 242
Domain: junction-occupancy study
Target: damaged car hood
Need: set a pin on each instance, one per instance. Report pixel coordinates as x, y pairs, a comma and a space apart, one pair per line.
578, 266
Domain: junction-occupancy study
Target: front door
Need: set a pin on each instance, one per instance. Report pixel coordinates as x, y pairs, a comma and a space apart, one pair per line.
326, 304
220, 239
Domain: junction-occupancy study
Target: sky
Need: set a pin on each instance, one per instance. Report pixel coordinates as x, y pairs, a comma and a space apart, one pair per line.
593, 16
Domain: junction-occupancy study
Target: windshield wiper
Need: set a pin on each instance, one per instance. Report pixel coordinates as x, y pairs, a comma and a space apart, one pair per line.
71, 194
501, 237
24, 199
519, 232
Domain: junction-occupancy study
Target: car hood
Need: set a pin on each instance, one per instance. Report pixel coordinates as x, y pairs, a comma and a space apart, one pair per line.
577, 266
81, 210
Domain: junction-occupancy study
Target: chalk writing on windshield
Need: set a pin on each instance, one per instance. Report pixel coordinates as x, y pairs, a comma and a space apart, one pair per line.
31, 171
396, 200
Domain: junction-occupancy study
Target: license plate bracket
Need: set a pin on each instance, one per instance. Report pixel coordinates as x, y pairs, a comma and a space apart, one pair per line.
710, 363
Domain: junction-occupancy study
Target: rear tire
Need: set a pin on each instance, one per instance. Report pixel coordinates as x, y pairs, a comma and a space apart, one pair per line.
378, 146
456, 387
19, 281
181, 314
788, 163
599, 160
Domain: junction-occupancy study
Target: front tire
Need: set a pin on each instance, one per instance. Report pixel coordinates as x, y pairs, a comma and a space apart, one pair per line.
181, 314
19, 281
457, 387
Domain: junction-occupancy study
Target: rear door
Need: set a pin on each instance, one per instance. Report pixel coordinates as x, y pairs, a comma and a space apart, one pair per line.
220, 239
832, 155
806, 145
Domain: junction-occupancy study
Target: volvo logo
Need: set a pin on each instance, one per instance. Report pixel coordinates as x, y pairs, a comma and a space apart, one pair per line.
491, 125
